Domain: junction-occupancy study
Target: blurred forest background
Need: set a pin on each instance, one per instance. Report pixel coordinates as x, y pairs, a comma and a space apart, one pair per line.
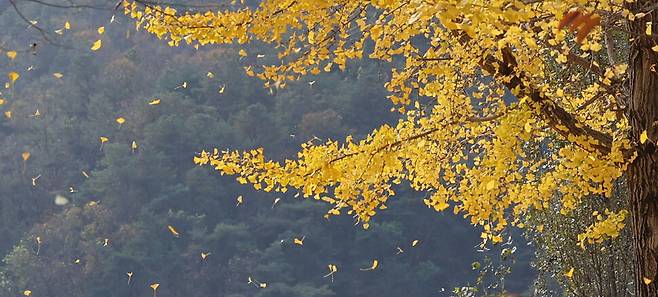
108, 234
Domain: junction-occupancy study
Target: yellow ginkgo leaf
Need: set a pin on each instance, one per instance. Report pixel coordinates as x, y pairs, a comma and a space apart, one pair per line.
569, 273
173, 230
242, 53
221, 90
648, 28
332, 269
76, 261
133, 146
2, 101
130, 276
263, 285
101, 30
154, 286
13, 76
240, 200
25, 155
415, 242
375, 263
154, 102
8, 114
67, 25
491, 184
654, 48
210, 74
204, 255
27, 293
58, 75
11, 54
647, 281
97, 45
120, 120
103, 139
84, 173
644, 137
299, 241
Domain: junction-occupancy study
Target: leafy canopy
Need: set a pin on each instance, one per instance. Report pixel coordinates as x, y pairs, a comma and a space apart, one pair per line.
501, 110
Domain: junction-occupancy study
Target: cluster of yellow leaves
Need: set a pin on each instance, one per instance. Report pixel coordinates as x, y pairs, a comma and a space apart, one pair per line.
604, 228
469, 146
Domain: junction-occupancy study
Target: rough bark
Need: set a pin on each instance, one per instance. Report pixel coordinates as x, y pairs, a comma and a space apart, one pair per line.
643, 172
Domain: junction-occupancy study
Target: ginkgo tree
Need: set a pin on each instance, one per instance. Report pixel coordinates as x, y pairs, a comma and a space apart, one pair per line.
478, 85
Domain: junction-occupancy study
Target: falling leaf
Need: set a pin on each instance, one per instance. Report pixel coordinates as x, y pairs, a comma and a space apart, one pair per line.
97, 45
221, 90
13, 76
8, 114
647, 281
38, 240
173, 231
104, 139
249, 71
415, 243
276, 200
67, 25
106, 242
400, 250
34, 180
242, 53
210, 74
27, 292
59, 31
154, 102
2, 101
260, 56
25, 155
569, 273
120, 120
130, 276
76, 261
643, 137
332, 269
154, 286
298, 241
133, 146
101, 30
85, 174
11, 55
375, 263
204, 255
240, 200
61, 200
184, 85
58, 75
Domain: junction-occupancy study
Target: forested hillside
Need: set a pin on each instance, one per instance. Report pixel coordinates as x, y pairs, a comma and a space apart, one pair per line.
99, 195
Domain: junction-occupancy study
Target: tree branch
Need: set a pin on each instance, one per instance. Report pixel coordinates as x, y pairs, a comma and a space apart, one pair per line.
557, 117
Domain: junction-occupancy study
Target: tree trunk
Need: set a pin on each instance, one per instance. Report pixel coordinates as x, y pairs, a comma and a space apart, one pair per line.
643, 172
